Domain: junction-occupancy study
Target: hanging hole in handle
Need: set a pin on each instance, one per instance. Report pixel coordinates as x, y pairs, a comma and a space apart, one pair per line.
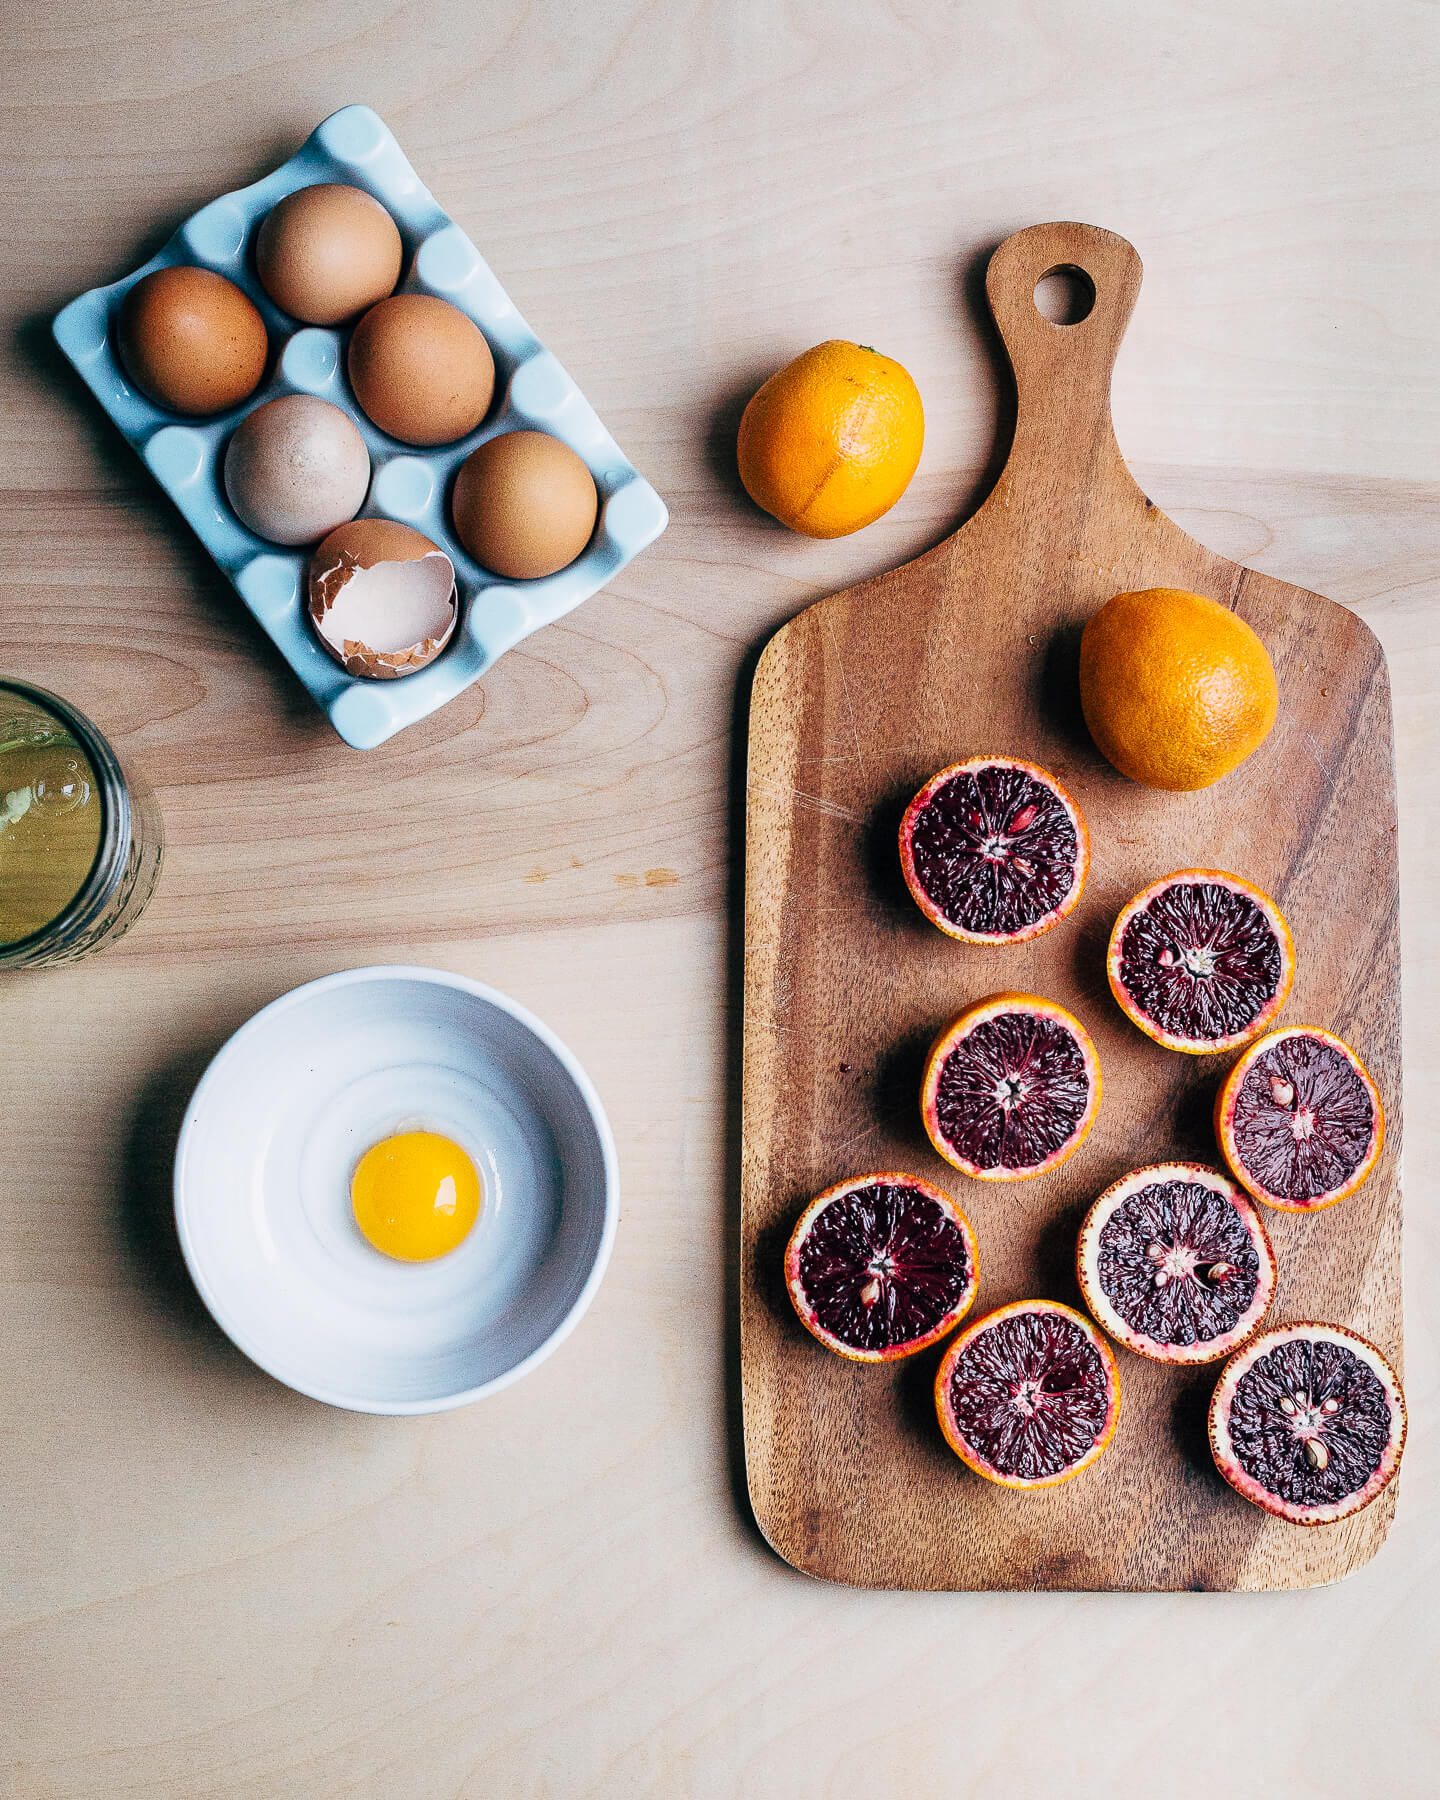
1064, 295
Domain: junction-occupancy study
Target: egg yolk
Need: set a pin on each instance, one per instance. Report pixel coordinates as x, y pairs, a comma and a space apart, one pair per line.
415, 1195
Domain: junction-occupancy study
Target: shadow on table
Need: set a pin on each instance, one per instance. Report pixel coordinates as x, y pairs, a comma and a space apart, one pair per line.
147, 1210
734, 1066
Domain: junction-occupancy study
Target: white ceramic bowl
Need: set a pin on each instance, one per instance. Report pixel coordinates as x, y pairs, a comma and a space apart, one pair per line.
262, 1189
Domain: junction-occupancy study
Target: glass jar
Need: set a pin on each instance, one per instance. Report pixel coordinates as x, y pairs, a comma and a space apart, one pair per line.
80, 843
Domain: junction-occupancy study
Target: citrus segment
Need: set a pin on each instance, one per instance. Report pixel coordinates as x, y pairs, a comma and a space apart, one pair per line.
994, 850
1201, 960
830, 441
1308, 1422
1029, 1395
1175, 1263
880, 1266
1299, 1119
1177, 691
1011, 1089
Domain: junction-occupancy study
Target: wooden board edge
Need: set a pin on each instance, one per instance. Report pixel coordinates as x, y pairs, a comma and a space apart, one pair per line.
779, 1531
1374, 1527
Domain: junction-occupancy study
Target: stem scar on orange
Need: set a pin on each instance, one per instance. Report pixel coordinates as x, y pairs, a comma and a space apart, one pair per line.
830, 442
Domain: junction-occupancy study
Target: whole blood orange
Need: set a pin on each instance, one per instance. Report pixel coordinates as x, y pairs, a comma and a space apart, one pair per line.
1029, 1395
994, 850
1177, 691
880, 1266
831, 440
1011, 1089
1201, 960
1309, 1422
1176, 1264
1299, 1120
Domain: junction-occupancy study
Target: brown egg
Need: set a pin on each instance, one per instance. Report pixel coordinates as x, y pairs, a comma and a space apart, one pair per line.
524, 505
382, 598
191, 341
325, 253
421, 369
296, 468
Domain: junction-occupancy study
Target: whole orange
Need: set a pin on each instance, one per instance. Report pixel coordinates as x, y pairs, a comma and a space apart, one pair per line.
831, 440
1177, 691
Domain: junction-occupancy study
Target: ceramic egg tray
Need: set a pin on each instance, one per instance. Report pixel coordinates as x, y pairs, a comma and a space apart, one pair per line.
532, 389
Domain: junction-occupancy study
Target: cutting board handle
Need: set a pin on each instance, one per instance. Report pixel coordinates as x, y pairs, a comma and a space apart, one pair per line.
1062, 372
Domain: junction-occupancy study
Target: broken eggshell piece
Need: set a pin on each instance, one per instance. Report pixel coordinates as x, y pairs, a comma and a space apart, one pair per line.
382, 598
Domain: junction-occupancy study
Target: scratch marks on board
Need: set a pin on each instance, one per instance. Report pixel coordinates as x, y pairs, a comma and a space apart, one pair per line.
1312, 750
832, 809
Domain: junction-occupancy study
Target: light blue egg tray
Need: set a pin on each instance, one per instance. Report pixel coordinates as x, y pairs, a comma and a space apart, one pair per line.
532, 389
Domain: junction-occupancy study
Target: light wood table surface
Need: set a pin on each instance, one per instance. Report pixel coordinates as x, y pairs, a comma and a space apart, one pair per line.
212, 1587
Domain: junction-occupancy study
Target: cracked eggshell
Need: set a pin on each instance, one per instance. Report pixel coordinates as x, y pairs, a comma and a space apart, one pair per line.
382, 598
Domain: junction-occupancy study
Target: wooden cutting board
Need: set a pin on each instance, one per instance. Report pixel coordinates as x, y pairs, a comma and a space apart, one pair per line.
972, 648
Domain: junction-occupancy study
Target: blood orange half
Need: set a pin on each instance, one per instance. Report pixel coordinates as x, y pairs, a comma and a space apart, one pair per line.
1299, 1120
1176, 1264
1011, 1088
1308, 1422
880, 1266
994, 850
1029, 1395
1201, 961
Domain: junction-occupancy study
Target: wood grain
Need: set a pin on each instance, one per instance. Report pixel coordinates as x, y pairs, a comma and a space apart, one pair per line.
212, 1590
971, 648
